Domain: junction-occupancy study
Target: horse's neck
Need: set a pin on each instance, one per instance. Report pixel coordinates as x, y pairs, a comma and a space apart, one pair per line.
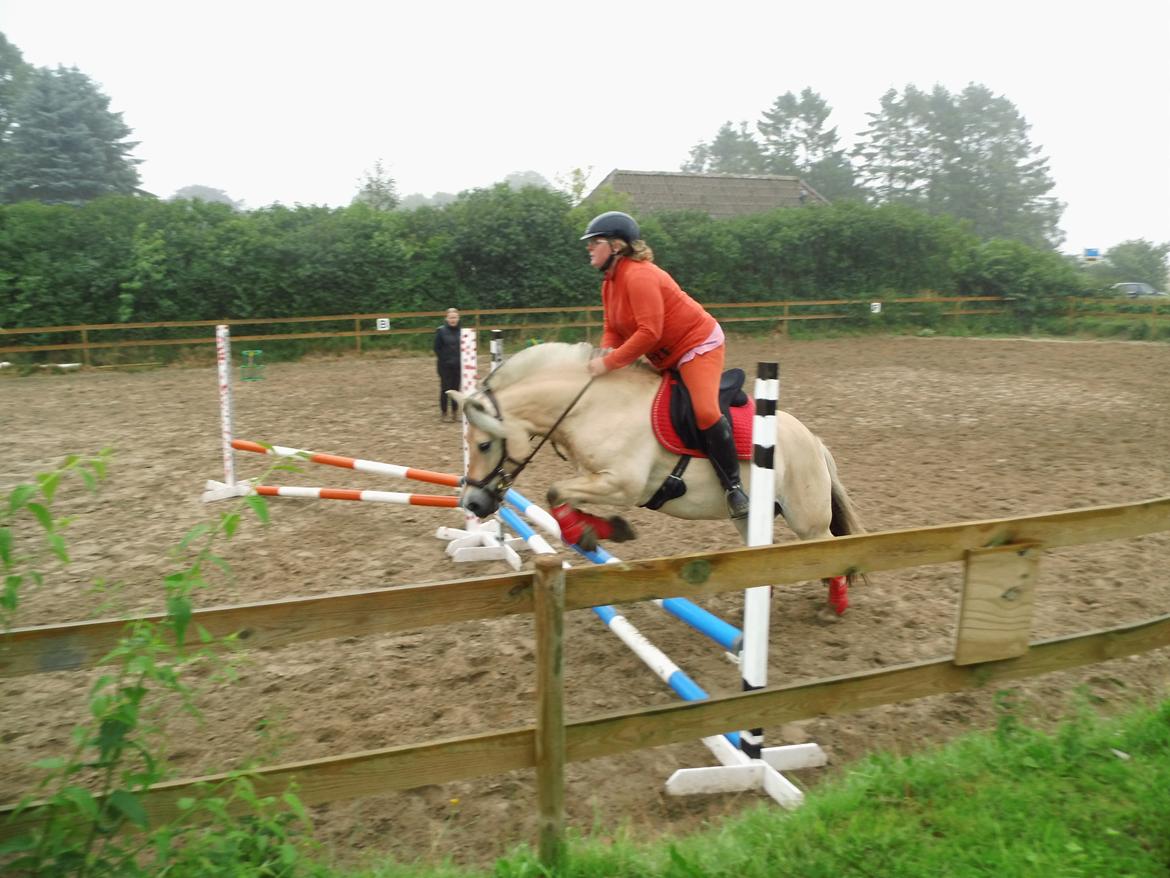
542, 400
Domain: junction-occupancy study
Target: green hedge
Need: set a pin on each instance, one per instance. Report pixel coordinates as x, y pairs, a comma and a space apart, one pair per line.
123, 259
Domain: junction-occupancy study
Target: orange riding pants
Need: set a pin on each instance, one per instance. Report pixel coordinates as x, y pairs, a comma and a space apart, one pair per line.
701, 376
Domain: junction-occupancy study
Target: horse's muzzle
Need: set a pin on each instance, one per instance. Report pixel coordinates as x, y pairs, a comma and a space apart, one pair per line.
480, 502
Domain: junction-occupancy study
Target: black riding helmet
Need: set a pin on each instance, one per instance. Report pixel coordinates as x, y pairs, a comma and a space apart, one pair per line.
613, 224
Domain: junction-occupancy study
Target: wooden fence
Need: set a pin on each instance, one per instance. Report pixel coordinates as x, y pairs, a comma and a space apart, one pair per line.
85, 339
1001, 558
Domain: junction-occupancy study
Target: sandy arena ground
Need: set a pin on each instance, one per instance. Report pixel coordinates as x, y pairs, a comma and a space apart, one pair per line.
925, 431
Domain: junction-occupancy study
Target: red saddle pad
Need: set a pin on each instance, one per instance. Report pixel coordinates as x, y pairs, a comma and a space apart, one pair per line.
741, 423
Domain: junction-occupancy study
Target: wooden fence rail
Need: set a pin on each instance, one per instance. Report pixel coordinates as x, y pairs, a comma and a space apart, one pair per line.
363, 326
1000, 557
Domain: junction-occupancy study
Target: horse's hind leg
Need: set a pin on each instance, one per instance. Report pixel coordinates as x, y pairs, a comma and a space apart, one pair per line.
809, 512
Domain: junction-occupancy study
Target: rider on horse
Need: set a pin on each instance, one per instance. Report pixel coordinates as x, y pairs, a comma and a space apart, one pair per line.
648, 314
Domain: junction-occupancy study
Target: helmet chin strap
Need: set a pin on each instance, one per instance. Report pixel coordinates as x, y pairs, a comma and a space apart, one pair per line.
609, 262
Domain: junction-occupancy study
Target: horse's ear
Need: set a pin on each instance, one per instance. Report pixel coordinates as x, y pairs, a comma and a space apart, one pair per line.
477, 414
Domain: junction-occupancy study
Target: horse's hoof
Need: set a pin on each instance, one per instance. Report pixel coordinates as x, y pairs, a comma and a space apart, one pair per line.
622, 532
588, 539
553, 497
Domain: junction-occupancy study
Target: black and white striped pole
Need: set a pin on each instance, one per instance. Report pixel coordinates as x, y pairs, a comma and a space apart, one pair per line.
757, 602
752, 766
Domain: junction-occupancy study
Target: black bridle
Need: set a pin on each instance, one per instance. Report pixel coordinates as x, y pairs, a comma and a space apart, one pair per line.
499, 474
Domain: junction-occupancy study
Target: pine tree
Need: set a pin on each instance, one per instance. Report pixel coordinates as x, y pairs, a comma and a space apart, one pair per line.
378, 190
733, 151
63, 145
797, 142
966, 155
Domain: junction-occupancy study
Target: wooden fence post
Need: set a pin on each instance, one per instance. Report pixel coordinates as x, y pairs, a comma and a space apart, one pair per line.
549, 616
995, 608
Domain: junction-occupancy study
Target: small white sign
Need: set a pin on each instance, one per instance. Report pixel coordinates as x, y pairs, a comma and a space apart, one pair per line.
875, 307
382, 323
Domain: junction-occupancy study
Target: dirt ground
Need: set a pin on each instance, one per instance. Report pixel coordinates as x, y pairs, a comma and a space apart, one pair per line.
925, 431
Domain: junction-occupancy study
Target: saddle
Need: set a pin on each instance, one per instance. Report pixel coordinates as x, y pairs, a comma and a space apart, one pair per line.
673, 419
673, 422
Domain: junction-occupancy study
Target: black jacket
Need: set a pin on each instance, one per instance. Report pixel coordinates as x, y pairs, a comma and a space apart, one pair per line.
447, 345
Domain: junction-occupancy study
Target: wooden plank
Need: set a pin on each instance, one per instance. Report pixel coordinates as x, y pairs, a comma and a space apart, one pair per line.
297, 620
995, 607
735, 569
549, 615
676, 723
346, 777
399, 768
280, 623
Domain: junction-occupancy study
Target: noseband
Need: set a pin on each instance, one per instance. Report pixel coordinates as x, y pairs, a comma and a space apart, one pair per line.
499, 474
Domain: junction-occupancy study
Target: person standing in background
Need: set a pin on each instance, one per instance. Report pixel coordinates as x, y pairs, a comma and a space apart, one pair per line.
447, 361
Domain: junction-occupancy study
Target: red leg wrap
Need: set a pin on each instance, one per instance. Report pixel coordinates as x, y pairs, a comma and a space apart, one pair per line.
574, 523
839, 594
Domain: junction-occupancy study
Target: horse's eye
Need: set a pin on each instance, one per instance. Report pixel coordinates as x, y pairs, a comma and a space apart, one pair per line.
485, 447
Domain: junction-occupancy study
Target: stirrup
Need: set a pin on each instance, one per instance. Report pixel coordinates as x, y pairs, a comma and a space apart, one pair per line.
738, 504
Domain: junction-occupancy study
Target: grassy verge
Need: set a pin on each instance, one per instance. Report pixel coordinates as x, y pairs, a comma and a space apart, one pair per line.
1091, 799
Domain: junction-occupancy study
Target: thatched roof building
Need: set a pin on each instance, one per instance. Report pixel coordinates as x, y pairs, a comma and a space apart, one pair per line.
718, 195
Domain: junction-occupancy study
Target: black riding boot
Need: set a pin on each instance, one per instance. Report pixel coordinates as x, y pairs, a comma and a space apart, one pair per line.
720, 447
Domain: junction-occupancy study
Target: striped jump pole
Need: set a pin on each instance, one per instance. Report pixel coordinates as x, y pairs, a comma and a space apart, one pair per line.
703, 621
653, 657
395, 497
354, 463
753, 766
223, 363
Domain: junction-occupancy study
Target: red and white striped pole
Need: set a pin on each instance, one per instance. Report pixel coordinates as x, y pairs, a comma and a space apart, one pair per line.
223, 358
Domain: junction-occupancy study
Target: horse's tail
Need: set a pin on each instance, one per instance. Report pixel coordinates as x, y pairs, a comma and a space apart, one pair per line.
845, 520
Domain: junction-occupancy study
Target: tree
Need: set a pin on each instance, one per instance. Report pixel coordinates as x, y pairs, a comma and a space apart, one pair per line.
416, 200
573, 183
204, 193
519, 179
63, 145
796, 142
965, 155
14, 73
378, 189
733, 151
1139, 260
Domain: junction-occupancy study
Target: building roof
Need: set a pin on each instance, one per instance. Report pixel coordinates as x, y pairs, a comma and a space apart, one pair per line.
718, 195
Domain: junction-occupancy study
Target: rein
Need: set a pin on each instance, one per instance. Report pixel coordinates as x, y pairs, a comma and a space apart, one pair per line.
507, 479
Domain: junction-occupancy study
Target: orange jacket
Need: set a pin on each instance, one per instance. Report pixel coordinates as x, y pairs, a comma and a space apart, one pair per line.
647, 313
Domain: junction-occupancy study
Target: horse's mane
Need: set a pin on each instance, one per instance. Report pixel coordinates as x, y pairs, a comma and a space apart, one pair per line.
548, 356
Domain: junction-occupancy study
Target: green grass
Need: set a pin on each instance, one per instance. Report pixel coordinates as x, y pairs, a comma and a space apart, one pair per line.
1090, 800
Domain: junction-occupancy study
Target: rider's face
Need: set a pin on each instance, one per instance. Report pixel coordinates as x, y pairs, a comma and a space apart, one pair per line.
599, 251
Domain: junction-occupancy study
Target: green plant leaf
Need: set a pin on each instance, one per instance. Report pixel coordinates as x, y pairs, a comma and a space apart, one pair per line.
81, 799
49, 483
229, 523
6, 546
57, 546
129, 806
179, 609
19, 495
42, 515
259, 506
193, 534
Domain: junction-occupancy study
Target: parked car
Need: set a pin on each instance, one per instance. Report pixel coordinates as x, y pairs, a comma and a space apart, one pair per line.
1136, 290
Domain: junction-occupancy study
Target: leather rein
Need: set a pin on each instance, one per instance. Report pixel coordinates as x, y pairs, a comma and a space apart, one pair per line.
499, 474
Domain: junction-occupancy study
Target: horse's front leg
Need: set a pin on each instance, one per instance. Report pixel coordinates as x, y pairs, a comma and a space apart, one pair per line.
585, 529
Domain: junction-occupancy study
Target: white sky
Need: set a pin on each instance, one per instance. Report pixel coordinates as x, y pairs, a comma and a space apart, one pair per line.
293, 101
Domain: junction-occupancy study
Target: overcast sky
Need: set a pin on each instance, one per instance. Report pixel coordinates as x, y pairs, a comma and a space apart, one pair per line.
293, 101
